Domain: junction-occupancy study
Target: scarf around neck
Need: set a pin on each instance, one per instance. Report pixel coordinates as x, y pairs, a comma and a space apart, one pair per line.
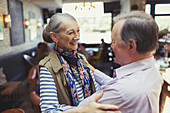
83, 73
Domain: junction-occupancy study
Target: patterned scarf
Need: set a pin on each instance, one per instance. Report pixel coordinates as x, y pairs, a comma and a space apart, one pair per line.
69, 75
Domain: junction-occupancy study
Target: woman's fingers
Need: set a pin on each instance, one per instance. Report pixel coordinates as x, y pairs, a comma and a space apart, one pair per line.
107, 107
103, 106
97, 97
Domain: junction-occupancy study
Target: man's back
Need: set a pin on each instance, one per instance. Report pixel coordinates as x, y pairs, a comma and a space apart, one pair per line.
138, 85
141, 88
135, 89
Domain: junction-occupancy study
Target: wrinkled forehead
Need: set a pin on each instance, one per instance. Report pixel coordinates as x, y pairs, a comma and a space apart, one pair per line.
68, 22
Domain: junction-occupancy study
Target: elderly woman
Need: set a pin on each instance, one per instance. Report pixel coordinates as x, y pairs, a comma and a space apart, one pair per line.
65, 80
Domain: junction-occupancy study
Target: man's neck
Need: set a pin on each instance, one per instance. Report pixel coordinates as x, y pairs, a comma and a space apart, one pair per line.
139, 56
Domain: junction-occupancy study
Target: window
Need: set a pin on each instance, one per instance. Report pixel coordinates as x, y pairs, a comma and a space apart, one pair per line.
148, 8
161, 13
94, 23
162, 16
163, 22
162, 9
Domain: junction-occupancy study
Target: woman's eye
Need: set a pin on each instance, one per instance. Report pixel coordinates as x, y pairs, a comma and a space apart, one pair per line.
78, 30
70, 33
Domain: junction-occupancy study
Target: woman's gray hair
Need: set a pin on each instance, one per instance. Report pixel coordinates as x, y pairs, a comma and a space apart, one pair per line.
140, 27
55, 25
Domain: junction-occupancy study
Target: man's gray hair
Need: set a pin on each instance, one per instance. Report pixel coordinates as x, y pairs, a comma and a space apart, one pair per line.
140, 27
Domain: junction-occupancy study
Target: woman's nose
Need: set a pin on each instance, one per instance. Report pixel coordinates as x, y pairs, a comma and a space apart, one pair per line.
77, 38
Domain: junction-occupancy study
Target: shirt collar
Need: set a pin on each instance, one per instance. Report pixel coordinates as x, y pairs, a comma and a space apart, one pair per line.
134, 67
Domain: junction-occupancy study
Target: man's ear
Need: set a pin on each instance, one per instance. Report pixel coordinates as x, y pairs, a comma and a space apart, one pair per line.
132, 46
54, 37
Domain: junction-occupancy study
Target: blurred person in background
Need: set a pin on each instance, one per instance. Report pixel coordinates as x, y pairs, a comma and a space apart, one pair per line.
103, 44
82, 47
42, 51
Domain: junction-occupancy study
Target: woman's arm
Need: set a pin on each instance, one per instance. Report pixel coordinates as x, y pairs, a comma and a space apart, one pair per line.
93, 107
48, 93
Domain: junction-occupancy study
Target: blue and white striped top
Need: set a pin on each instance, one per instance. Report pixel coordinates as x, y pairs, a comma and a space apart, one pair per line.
48, 92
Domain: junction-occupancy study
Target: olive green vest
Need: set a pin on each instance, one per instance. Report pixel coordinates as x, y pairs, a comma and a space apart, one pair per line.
53, 64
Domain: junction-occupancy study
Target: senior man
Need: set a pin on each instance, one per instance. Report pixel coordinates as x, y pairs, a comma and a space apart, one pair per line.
136, 85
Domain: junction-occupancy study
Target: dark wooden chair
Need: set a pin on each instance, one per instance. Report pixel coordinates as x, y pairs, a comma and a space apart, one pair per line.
32, 79
35, 98
29, 59
14, 110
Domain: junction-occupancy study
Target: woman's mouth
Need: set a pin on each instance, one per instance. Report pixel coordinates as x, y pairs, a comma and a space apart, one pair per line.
73, 43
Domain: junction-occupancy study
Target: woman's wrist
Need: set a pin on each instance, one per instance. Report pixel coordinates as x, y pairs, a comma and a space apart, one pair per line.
93, 69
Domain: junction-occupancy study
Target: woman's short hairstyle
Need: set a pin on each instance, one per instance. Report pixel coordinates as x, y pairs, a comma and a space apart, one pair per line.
140, 27
55, 25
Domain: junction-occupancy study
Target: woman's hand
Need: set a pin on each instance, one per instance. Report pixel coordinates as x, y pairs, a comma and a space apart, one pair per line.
90, 66
93, 107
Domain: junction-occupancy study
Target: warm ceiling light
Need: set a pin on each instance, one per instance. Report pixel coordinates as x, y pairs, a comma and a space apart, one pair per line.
26, 23
7, 20
39, 24
84, 4
75, 7
91, 4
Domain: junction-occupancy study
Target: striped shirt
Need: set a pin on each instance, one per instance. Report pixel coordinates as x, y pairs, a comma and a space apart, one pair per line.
48, 92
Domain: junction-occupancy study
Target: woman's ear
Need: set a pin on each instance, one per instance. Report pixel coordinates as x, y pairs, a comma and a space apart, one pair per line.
132, 46
54, 37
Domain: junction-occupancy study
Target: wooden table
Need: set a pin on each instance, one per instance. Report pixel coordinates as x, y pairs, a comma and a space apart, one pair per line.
166, 77
165, 93
164, 72
10, 88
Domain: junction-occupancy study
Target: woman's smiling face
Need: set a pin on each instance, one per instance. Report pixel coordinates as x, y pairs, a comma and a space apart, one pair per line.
69, 35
